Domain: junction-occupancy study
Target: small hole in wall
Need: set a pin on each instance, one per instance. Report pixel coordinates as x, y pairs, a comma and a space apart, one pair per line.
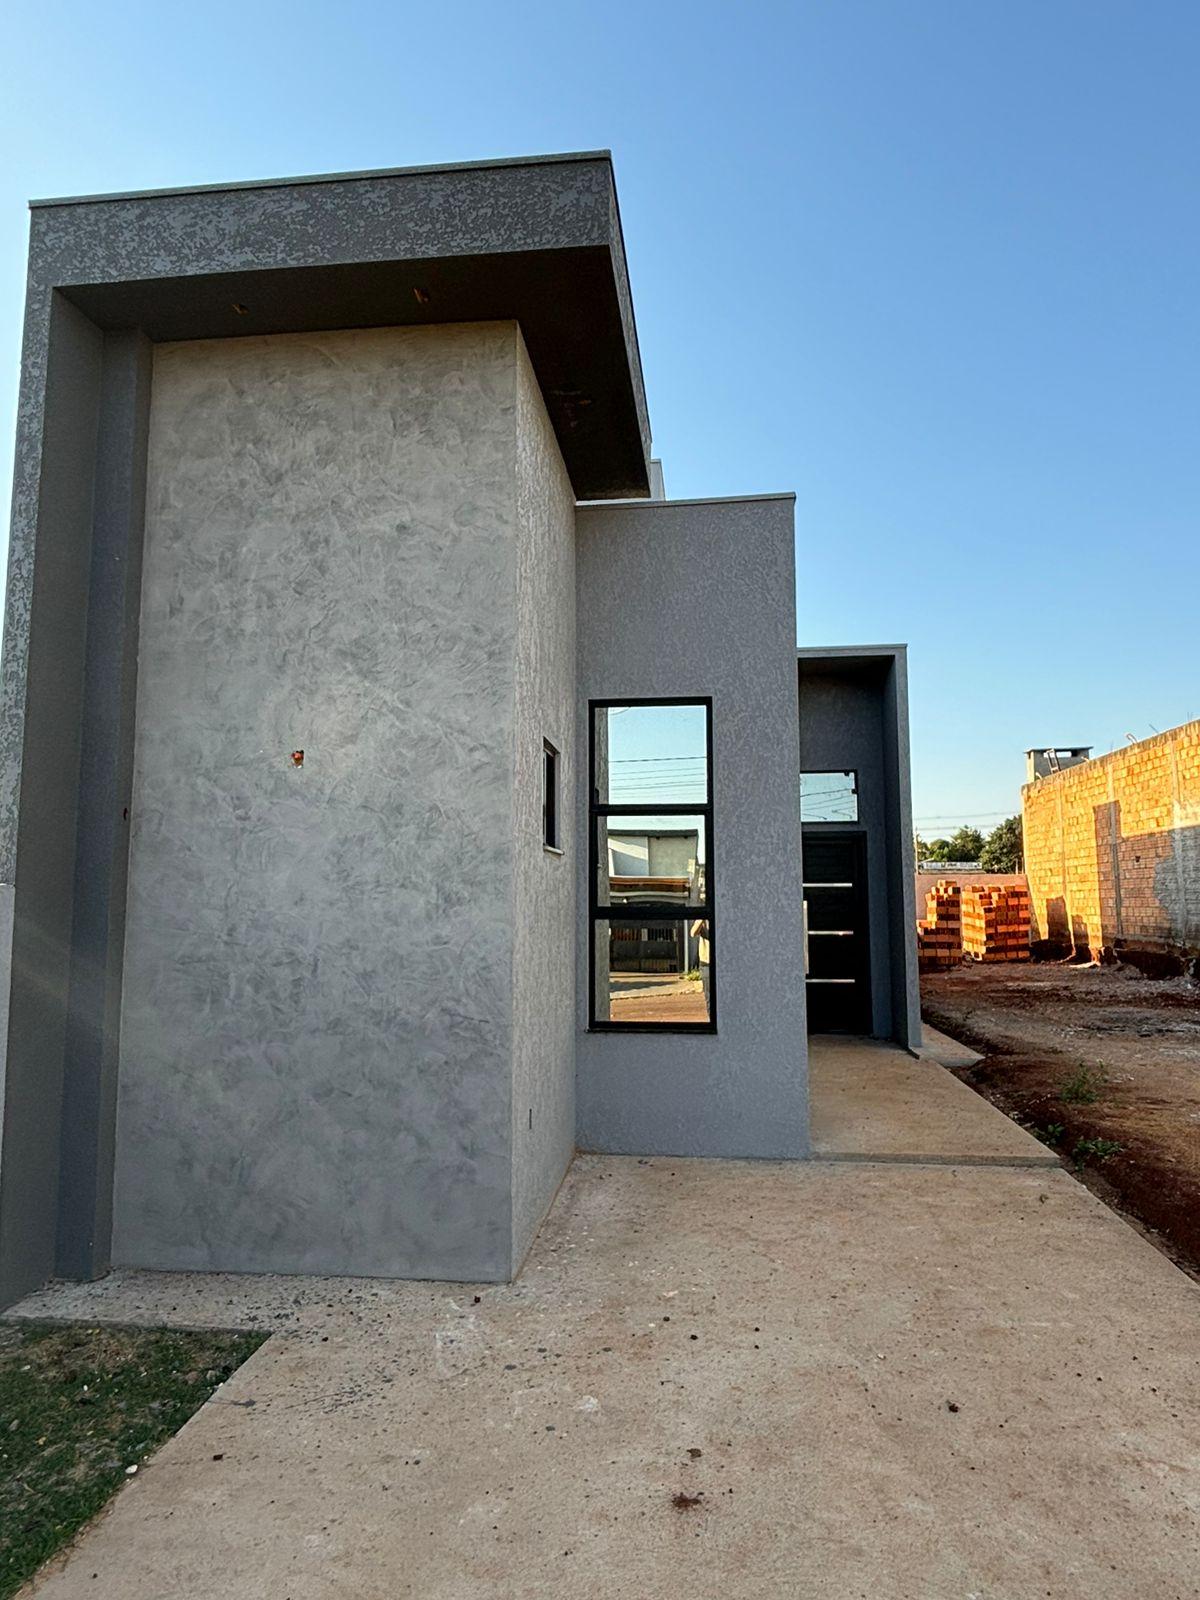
297, 758
421, 296
125, 814
239, 309
531, 1118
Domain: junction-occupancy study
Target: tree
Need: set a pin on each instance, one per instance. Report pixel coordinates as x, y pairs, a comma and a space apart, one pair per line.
964, 844
1003, 849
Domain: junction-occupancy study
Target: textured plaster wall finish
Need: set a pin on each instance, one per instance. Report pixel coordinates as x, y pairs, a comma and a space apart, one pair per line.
719, 576
544, 885
317, 1039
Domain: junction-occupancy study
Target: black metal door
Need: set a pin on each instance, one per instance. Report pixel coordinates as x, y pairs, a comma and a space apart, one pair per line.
837, 964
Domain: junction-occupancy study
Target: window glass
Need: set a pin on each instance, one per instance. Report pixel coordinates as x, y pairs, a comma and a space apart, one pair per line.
651, 854
653, 972
651, 755
647, 859
829, 797
549, 795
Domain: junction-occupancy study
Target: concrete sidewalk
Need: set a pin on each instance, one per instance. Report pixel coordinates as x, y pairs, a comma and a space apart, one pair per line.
714, 1380
873, 1102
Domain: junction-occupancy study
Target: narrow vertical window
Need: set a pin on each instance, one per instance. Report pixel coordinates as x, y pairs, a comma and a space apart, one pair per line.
651, 866
550, 796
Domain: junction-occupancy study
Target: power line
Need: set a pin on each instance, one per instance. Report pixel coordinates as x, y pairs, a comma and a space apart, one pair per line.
963, 816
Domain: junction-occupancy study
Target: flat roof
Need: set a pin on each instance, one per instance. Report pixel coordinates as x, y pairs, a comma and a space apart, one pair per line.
862, 663
533, 239
323, 177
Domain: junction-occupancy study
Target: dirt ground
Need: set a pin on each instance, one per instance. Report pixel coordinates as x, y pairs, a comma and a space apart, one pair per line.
1086, 1053
669, 998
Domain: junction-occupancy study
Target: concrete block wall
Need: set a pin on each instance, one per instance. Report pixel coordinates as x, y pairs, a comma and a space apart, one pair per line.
1112, 849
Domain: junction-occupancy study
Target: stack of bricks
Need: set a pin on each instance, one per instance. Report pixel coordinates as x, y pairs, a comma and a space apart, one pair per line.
939, 932
995, 923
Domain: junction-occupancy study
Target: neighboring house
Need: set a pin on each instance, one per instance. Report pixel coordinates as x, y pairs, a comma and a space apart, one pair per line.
650, 868
357, 681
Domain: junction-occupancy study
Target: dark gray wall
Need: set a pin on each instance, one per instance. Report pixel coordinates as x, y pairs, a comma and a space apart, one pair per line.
46, 610
102, 836
854, 714
902, 863
695, 599
72, 753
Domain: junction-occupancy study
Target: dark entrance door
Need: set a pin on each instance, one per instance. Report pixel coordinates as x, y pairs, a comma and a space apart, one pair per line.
837, 969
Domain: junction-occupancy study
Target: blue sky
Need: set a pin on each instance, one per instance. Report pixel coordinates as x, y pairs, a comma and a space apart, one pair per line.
933, 266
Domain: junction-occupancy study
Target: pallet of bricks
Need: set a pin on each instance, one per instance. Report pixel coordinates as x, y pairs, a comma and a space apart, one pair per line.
995, 923
939, 931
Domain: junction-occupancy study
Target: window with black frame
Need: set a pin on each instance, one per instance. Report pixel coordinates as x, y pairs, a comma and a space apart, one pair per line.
651, 865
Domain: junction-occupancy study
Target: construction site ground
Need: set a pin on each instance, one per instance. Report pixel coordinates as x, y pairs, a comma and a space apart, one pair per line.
1104, 1065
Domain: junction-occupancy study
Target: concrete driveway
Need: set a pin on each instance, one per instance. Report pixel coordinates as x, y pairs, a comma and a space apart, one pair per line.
714, 1380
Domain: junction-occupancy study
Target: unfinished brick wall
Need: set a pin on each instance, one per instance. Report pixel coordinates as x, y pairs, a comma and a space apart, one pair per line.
1112, 850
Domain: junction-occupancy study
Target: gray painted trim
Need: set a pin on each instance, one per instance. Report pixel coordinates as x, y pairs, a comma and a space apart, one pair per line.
323, 177
839, 652
702, 500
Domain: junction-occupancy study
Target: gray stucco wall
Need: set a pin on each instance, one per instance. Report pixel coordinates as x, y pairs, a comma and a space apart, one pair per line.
696, 599
43, 674
841, 726
544, 893
317, 1041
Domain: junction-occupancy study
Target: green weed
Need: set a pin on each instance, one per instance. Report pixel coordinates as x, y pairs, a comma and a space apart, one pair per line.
1095, 1149
1083, 1087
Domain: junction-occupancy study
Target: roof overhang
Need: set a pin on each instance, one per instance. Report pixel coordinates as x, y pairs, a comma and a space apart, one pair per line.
537, 241
869, 663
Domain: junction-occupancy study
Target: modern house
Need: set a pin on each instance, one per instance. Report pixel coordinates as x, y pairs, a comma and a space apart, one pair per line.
358, 683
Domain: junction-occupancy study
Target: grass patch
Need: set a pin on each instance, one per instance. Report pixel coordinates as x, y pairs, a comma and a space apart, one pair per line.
79, 1405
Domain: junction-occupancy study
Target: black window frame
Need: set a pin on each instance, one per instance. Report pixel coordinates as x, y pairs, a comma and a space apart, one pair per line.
651, 911
551, 797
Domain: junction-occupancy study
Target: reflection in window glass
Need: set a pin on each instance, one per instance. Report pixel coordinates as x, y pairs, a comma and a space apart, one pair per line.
653, 971
649, 859
651, 755
829, 797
